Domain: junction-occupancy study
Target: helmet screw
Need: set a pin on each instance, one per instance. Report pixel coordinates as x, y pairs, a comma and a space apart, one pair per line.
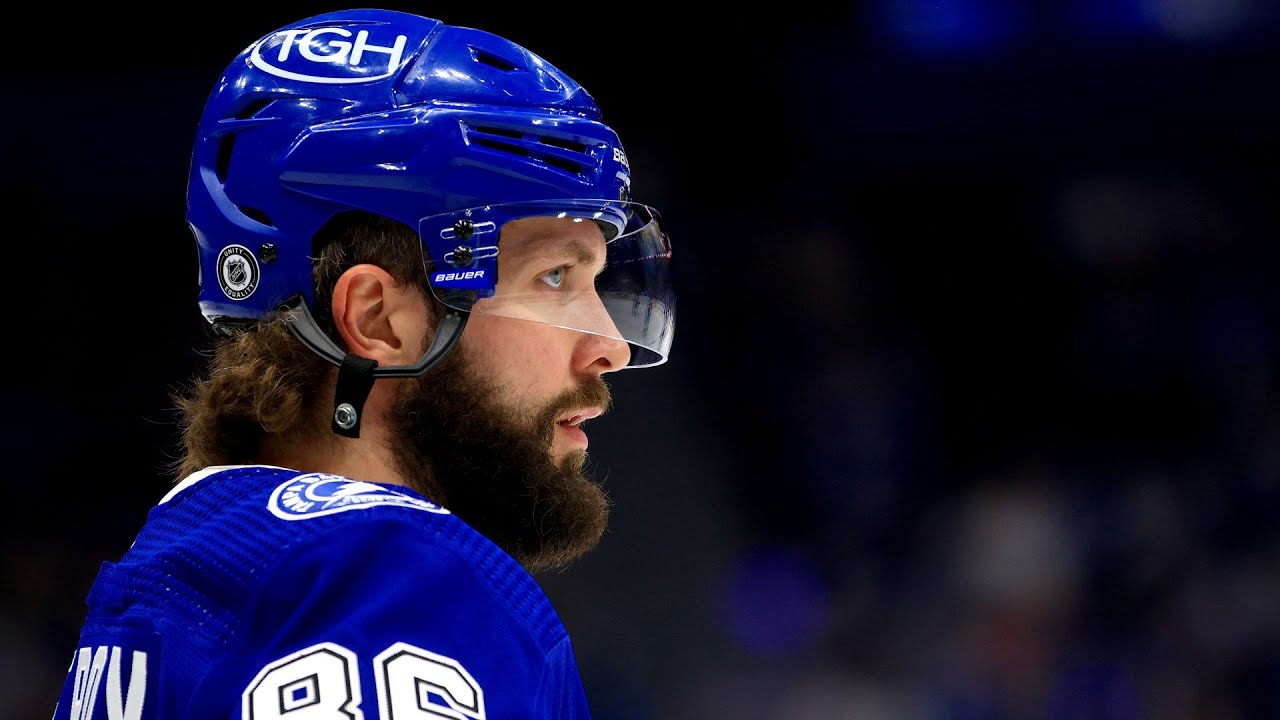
268, 252
345, 416
462, 255
463, 229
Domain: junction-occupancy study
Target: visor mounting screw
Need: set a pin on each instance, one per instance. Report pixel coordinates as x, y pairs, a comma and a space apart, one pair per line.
345, 416
268, 252
462, 255
463, 229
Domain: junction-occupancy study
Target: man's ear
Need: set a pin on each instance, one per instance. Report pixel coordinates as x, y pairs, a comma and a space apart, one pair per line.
375, 315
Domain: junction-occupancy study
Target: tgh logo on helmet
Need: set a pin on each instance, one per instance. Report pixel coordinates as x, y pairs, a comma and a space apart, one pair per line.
329, 55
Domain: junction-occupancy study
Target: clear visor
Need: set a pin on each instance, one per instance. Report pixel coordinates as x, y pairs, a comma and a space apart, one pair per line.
596, 266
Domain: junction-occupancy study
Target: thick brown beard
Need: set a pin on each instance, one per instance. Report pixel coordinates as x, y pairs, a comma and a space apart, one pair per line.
459, 444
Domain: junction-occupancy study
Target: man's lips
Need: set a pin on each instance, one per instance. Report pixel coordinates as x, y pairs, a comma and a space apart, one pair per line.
569, 422
576, 417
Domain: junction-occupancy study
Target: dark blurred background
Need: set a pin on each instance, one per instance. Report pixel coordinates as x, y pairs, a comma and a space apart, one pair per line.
972, 411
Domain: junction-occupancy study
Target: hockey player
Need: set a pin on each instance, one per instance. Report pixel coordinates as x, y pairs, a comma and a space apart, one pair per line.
419, 256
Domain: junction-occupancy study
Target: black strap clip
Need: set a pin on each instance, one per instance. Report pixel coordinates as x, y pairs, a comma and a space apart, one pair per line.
355, 380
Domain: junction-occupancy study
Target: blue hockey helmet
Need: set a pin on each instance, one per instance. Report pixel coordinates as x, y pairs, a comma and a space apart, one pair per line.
451, 130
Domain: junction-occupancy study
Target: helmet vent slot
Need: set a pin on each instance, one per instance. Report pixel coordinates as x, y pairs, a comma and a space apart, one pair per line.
257, 215
224, 156
558, 152
566, 165
493, 144
252, 108
228, 142
488, 58
489, 130
569, 166
565, 144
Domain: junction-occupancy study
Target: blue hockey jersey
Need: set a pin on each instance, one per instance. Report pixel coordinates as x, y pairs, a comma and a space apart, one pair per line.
258, 592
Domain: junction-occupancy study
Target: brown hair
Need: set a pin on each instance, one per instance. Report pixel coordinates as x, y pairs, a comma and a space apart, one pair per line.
262, 379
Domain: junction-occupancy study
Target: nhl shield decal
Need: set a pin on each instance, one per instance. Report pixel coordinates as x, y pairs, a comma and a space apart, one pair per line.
237, 272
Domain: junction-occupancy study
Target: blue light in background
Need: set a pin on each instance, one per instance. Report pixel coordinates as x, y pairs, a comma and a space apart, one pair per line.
1199, 20
1170, 20
778, 601
1094, 691
958, 28
965, 27
1107, 19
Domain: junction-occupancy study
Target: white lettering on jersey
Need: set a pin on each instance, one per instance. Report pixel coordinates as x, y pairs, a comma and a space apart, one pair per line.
411, 679
322, 682
122, 704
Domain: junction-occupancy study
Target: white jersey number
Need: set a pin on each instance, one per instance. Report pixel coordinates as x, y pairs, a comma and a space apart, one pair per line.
322, 682
407, 676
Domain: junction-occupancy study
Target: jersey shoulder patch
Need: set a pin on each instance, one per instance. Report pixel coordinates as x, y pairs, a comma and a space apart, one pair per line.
316, 494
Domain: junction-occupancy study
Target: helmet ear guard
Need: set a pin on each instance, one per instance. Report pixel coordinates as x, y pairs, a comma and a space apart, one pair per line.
356, 373
397, 115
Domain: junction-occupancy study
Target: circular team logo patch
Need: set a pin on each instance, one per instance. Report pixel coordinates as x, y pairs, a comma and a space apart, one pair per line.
316, 494
237, 272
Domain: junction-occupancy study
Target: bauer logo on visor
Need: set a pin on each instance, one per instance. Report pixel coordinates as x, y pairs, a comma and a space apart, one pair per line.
460, 279
330, 55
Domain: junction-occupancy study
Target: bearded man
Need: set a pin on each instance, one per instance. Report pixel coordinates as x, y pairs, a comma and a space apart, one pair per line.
419, 258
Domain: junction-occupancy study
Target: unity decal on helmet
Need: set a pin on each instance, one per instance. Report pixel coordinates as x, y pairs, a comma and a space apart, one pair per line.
237, 272
316, 55
316, 494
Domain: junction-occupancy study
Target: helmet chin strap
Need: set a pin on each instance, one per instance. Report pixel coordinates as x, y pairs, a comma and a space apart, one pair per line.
356, 373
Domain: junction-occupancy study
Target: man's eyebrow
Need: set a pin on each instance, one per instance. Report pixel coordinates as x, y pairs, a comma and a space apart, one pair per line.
580, 252
584, 255
574, 248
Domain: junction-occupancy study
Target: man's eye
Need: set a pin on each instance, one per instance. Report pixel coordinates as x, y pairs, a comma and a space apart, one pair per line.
554, 278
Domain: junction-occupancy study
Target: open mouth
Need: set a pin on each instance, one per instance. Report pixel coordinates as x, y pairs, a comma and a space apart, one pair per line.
570, 422
577, 417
